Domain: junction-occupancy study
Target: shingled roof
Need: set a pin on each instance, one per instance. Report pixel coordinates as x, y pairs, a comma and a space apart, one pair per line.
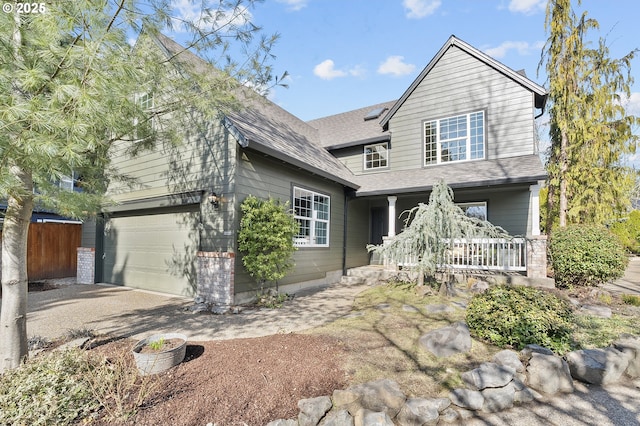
265, 127
526, 169
351, 128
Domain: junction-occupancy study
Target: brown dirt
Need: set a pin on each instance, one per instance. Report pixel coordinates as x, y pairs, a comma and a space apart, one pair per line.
241, 381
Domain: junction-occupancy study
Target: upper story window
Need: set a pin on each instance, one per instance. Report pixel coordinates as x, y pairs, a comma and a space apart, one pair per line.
312, 212
458, 138
376, 156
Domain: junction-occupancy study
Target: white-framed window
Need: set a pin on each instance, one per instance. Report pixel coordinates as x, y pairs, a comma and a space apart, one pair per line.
144, 129
376, 156
312, 212
475, 209
458, 138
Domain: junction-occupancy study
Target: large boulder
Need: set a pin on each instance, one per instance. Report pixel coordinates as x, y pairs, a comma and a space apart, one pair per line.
488, 375
312, 410
467, 398
509, 358
337, 418
498, 399
630, 346
447, 341
597, 366
422, 411
549, 374
378, 396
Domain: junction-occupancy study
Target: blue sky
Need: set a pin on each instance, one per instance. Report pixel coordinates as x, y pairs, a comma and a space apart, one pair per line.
346, 54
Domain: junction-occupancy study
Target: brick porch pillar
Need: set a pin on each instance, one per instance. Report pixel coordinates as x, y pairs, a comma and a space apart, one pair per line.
537, 256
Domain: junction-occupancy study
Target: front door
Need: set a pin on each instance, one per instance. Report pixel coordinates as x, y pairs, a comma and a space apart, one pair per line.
379, 223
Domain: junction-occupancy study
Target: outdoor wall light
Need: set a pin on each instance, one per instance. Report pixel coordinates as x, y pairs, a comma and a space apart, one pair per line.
214, 200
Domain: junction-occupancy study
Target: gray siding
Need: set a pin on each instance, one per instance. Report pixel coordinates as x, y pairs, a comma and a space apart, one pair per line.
89, 233
459, 84
203, 162
262, 177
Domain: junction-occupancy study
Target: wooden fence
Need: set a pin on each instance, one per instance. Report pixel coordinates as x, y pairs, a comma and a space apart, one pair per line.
52, 250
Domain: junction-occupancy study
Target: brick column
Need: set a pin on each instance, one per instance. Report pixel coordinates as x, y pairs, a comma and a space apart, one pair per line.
216, 271
537, 256
85, 272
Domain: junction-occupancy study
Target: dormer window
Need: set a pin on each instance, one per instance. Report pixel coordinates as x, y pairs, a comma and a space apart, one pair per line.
376, 156
459, 138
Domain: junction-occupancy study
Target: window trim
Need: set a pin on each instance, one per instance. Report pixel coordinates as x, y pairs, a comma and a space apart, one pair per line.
364, 156
468, 144
313, 219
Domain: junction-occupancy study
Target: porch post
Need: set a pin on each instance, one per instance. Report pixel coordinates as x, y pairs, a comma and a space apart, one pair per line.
392, 215
534, 209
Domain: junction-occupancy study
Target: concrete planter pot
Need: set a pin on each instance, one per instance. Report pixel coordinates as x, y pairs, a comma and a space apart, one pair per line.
159, 352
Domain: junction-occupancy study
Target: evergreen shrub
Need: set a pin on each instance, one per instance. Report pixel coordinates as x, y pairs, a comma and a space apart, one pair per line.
584, 255
515, 316
628, 231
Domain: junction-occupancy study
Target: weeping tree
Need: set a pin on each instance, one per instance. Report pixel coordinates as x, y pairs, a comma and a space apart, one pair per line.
72, 86
429, 229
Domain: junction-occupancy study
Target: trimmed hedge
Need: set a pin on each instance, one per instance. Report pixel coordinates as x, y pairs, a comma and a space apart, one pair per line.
586, 256
515, 316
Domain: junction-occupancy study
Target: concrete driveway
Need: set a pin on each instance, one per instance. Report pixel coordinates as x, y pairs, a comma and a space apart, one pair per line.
135, 313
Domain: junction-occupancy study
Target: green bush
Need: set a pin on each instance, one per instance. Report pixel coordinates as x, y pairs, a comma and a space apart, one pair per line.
628, 231
515, 316
586, 256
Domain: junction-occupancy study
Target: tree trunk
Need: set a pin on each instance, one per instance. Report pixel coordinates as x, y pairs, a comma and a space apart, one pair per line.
564, 168
13, 316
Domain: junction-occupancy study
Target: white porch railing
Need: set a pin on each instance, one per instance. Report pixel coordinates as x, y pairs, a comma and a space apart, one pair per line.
488, 254
493, 254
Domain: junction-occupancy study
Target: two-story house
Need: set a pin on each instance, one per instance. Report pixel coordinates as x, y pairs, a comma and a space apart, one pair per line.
466, 119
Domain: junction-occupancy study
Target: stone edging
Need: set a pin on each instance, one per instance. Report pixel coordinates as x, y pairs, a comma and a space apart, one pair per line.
511, 378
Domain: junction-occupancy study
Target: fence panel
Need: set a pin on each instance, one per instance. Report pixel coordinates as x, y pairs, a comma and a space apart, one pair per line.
52, 250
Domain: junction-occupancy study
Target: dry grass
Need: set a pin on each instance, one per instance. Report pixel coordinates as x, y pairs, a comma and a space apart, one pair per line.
381, 338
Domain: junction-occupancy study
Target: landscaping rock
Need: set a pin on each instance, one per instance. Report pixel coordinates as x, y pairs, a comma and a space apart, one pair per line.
378, 396
630, 346
337, 418
510, 359
447, 341
597, 366
78, 343
488, 375
409, 308
549, 374
439, 309
449, 416
422, 411
523, 393
467, 398
383, 306
479, 287
529, 350
312, 410
372, 418
282, 422
596, 310
498, 399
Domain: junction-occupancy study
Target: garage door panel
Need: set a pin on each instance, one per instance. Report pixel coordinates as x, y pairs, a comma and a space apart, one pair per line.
153, 252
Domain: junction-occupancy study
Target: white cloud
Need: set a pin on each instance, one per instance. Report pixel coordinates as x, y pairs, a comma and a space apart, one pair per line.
188, 11
326, 70
632, 103
395, 65
528, 7
294, 5
417, 9
522, 47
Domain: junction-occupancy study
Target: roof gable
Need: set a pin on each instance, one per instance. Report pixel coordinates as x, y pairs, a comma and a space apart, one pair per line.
539, 91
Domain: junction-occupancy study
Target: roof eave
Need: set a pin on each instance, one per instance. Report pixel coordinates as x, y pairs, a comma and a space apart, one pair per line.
381, 138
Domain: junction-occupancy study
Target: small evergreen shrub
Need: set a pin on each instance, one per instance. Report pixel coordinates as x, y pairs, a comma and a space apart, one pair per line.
515, 316
628, 231
586, 256
631, 299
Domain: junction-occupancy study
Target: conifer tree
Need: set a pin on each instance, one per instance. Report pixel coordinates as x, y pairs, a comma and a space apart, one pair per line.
429, 228
71, 85
590, 130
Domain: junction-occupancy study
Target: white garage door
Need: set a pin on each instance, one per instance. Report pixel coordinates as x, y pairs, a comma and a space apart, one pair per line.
152, 252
